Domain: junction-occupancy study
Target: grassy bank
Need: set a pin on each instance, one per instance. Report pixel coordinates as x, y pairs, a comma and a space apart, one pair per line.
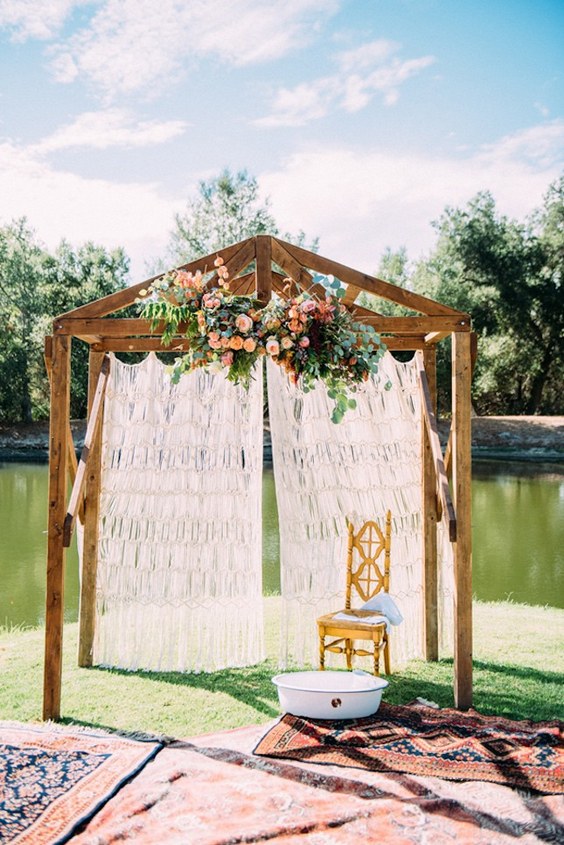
518, 672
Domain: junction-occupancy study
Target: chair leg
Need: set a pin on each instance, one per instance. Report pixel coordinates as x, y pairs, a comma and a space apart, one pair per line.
387, 666
348, 653
321, 651
376, 659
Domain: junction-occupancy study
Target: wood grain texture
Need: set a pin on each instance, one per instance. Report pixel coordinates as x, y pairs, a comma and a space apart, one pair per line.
462, 486
87, 609
58, 459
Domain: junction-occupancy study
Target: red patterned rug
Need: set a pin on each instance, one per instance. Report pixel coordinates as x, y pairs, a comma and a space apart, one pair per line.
53, 779
421, 740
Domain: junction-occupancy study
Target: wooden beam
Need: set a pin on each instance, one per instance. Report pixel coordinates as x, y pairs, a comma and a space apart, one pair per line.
91, 430
295, 271
264, 269
462, 486
71, 456
122, 298
386, 290
115, 327
434, 337
410, 325
473, 358
435, 446
351, 294
58, 459
430, 517
241, 259
87, 611
243, 285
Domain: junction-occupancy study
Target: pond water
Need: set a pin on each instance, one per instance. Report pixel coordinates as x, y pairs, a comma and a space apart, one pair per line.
518, 519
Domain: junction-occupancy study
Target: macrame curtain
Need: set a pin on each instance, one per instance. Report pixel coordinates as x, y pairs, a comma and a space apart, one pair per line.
179, 583
360, 468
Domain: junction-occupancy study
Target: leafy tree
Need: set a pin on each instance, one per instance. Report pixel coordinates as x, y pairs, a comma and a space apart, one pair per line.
508, 277
227, 209
36, 286
393, 267
21, 291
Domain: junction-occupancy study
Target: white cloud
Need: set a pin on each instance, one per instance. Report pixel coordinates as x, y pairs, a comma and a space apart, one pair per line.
40, 19
366, 55
360, 202
110, 128
365, 71
137, 216
136, 45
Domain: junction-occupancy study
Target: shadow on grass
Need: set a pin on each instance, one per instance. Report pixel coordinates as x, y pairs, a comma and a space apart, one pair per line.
499, 689
251, 685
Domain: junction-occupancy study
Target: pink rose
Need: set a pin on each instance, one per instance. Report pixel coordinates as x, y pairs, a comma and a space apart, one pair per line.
308, 305
244, 323
304, 342
227, 359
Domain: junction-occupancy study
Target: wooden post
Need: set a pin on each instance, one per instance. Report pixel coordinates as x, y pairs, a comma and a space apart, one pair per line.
429, 492
264, 268
87, 613
462, 481
58, 459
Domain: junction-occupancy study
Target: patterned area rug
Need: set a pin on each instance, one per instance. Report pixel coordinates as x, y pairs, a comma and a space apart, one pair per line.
420, 740
53, 779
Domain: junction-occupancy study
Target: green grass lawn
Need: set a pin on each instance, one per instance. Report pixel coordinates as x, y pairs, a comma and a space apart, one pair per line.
518, 672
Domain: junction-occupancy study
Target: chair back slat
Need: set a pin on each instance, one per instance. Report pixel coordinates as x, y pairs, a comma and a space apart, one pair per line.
368, 560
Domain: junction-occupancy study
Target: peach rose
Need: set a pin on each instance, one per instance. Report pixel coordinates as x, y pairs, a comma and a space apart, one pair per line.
287, 343
244, 323
272, 346
249, 345
236, 342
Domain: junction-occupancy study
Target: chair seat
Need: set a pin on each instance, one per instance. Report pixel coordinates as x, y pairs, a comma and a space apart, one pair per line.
355, 624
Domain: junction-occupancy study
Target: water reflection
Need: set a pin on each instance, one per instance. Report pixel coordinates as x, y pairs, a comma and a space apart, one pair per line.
518, 527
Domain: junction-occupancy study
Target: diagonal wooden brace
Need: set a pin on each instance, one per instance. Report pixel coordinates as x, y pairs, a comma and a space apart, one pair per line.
430, 420
77, 493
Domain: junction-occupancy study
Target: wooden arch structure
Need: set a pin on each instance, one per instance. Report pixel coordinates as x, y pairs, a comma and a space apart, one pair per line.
260, 266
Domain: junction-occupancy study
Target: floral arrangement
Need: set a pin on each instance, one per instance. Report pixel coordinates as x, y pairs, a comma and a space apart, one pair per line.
310, 337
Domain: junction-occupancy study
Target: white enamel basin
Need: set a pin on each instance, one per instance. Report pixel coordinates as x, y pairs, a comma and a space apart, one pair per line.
330, 695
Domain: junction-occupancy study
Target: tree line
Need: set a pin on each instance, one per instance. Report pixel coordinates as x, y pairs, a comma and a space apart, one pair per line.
506, 274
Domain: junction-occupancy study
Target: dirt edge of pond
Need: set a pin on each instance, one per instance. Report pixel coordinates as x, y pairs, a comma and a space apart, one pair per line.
511, 437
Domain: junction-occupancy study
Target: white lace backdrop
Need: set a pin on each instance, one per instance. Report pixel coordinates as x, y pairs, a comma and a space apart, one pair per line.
180, 549
360, 468
180, 552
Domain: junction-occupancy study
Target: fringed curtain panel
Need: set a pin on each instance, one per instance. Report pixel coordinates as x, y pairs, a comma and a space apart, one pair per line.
179, 582
324, 473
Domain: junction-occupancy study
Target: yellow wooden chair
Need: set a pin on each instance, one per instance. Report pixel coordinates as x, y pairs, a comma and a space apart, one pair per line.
368, 572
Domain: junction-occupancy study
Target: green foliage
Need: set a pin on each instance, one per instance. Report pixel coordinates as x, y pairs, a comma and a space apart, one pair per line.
36, 286
508, 276
227, 209
311, 338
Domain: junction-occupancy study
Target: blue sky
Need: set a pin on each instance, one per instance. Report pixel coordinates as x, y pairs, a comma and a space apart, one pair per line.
361, 119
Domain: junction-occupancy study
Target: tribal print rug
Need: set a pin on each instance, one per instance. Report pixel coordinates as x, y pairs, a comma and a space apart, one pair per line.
53, 779
420, 740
